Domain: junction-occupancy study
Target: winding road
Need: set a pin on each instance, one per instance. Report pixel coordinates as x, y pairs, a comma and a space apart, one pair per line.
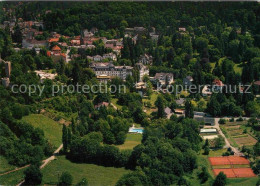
45, 162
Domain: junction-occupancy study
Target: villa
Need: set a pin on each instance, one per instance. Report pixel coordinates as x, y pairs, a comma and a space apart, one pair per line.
109, 69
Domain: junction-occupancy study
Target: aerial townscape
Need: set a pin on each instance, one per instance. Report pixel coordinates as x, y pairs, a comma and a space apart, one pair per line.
130, 93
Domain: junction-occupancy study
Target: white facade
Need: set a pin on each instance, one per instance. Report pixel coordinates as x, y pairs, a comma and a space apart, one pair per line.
143, 70
109, 69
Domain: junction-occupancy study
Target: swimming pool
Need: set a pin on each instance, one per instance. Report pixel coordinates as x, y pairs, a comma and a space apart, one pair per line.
136, 130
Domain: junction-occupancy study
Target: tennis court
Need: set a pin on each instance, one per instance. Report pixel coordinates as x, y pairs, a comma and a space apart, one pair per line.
236, 172
228, 160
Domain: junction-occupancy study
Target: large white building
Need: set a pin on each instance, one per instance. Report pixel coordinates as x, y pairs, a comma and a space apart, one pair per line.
143, 70
108, 69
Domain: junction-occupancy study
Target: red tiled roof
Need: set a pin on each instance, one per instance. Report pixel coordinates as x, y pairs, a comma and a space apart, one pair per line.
62, 54
49, 53
102, 104
218, 82
56, 48
53, 40
257, 83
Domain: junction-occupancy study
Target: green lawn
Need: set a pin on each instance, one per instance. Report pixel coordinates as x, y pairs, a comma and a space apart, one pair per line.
131, 141
52, 130
152, 99
238, 68
219, 152
202, 162
12, 178
4, 165
242, 181
96, 175
114, 101
64, 115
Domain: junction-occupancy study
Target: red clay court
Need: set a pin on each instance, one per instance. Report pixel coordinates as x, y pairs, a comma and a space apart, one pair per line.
236, 172
228, 160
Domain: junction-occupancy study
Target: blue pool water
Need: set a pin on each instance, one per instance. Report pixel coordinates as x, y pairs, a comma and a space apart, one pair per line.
136, 130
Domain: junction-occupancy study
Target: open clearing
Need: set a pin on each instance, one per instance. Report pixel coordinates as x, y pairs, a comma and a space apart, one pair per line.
131, 141
96, 175
12, 178
4, 165
52, 129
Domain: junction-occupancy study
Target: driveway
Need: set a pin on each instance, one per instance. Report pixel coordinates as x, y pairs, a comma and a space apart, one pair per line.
227, 144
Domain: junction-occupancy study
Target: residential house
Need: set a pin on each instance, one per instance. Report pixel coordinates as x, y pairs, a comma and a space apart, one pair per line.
75, 42
146, 59
143, 70
110, 56
180, 102
86, 33
164, 78
93, 30
33, 43
97, 58
52, 40
206, 91
181, 29
188, 81
154, 37
90, 46
167, 111
257, 83
102, 104
45, 75
179, 111
217, 85
56, 49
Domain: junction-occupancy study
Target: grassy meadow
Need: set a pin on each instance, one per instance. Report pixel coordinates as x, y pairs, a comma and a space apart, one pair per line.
52, 129
131, 141
96, 175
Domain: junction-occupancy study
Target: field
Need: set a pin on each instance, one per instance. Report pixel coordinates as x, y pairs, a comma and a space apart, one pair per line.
52, 130
96, 175
152, 101
4, 165
238, 134
12, 178
131, 141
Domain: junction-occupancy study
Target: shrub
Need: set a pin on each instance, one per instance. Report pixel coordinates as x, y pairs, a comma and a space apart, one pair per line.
222, 121
240, 119
232, 120
65, 179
